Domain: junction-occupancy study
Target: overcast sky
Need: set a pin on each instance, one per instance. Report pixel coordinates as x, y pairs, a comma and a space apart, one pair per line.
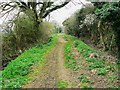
60, 15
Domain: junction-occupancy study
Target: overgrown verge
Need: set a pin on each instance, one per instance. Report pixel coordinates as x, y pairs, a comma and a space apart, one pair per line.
16, 73
102, 66
70, 61
62, 84
94, 68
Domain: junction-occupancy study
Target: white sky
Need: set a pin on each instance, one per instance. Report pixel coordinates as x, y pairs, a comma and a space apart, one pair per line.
60, 15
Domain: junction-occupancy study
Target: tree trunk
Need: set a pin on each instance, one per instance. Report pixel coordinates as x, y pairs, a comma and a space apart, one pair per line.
117, 40
111, 43
101, 35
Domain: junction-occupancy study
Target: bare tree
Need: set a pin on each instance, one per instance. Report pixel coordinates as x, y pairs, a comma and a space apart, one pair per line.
39, 8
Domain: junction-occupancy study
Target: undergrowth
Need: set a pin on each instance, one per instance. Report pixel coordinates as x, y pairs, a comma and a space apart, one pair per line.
100, 67
62, 84
16, 73
70, 61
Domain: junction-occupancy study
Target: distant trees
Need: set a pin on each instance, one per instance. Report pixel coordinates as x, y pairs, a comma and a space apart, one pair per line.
80, 23
57, 27
71, 26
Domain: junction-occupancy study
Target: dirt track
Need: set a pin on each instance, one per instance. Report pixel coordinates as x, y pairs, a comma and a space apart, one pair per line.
54, 70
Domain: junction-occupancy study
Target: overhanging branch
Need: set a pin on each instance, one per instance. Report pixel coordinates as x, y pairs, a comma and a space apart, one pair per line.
55, 8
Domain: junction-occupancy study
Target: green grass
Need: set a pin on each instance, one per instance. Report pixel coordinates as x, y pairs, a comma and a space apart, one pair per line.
76, 43
96, 64
86, 85
103, 68
68, 37
113, 77
16, 73
83, 78
70, 61
62, 84
83, 48
89, 60
77, 67
102, 71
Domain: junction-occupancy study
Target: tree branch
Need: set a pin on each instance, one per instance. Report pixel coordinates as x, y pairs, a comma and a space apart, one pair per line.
23, 3
82, 3
55, 8
39, 3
